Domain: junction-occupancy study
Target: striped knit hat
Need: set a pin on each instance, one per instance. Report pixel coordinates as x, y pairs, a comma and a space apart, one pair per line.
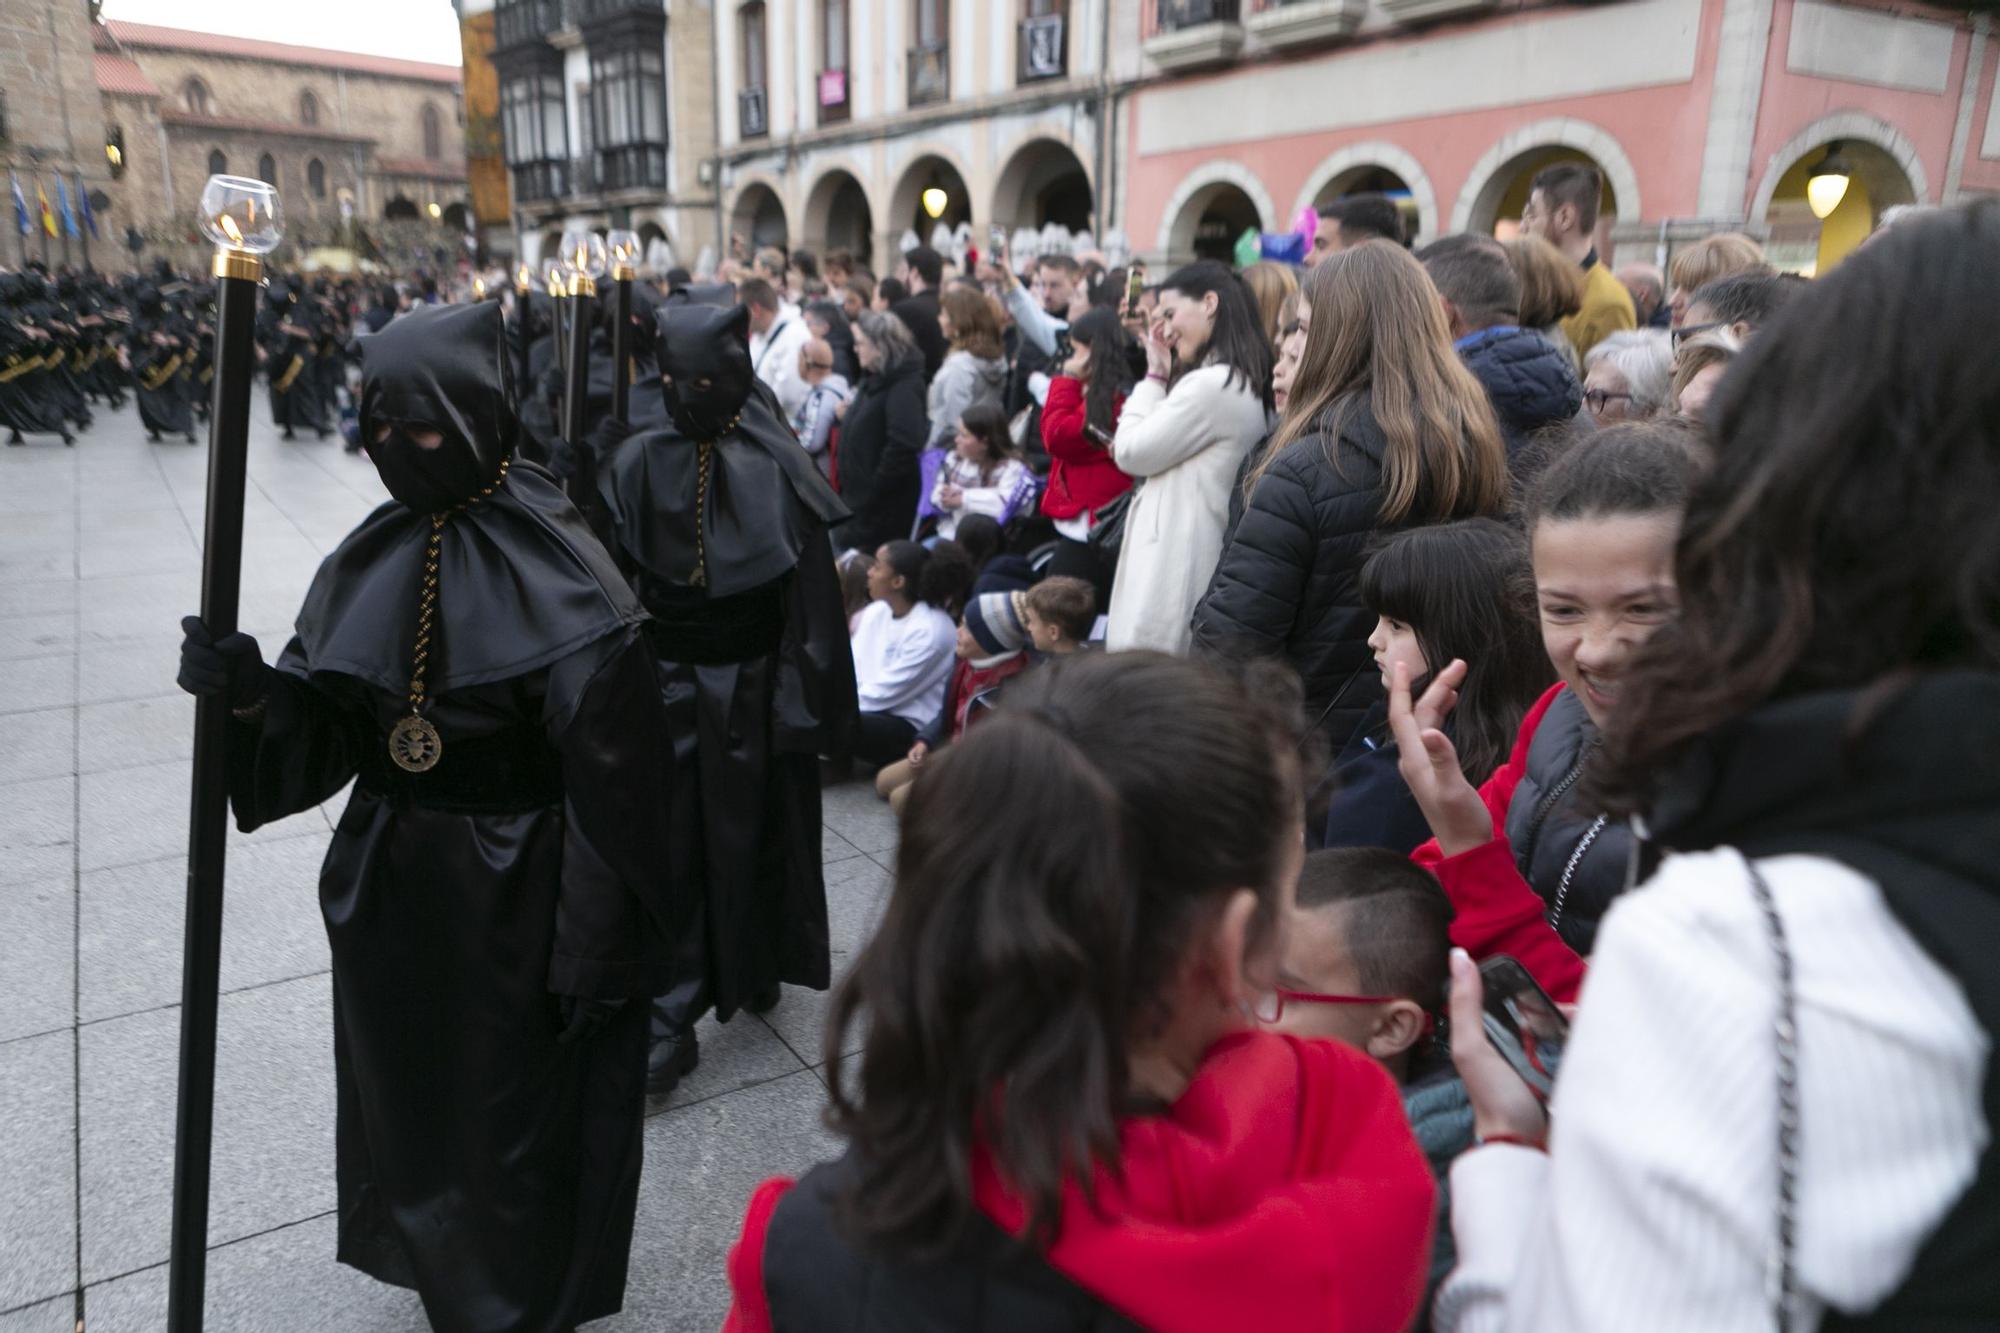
997, 622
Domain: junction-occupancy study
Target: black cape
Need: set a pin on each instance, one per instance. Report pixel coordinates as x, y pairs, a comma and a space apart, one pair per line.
480, 1161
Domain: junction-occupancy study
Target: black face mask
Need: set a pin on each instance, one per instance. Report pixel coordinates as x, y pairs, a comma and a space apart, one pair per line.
705, 370
441, 368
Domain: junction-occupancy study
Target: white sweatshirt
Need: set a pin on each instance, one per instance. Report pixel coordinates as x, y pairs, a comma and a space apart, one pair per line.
1656, 1207
903, 665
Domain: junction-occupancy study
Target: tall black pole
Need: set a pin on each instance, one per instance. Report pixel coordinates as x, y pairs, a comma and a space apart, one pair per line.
521, 343
238, 273
621, 338
576, 366
576, 395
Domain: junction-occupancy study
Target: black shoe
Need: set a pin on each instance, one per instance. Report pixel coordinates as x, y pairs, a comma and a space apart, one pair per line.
323, 434
670, 1060
764, 1001
70, 441
153, 436
289, 435
190, 436
15, 439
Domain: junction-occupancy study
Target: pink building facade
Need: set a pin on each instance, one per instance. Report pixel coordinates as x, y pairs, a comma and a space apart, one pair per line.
1702, 115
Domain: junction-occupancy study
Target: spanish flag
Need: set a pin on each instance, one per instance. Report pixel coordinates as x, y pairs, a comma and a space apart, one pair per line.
42, 198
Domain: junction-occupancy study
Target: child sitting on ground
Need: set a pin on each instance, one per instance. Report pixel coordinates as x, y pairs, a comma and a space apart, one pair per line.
1060, 614
992, 643
1365, 963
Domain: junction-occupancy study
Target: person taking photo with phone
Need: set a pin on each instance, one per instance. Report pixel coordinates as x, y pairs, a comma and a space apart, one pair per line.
1778, 1102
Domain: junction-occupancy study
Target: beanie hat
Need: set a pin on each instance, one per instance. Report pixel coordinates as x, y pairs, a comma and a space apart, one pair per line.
996, 623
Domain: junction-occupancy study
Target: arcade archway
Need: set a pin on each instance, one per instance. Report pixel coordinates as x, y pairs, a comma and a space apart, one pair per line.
838, 217
759, 217
1044, 182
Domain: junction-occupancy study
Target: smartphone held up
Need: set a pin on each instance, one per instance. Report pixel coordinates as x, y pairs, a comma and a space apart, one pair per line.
1523, 1024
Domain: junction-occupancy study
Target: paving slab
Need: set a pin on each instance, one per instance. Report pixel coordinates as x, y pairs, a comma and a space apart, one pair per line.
37, 958
282, 1280
37, 829
37, 745
274, 1108
38, 1164
702, 1162
141, 814
56, 1316
856, 813
130, 733
35, 683
130, 918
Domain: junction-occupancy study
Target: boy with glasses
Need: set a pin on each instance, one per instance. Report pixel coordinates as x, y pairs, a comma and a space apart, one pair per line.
1365, 963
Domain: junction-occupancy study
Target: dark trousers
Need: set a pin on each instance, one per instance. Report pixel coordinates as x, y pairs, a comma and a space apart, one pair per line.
883, 738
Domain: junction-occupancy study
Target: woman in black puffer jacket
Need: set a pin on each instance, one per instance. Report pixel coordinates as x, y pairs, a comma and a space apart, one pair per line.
1384, 429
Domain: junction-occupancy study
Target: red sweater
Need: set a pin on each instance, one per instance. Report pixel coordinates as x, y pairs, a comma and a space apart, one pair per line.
1497, 910
1082, 477
1284, 1190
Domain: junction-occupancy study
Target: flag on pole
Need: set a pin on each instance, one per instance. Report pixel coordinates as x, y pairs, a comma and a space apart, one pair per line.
20, 204
83, 206
63, 207
42, 200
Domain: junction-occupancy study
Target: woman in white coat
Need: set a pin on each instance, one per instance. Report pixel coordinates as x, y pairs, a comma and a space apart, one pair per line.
1204, 404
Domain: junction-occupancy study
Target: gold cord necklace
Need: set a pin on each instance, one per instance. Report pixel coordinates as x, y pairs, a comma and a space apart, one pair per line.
704, 456
414, 744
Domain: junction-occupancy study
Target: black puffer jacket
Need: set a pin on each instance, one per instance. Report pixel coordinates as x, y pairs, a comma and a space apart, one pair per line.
1530, 380
880, 439
1287, 584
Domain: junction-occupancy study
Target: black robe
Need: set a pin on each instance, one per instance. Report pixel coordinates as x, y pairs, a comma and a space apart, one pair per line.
288, 367
480, 1161
758, 681
157, 370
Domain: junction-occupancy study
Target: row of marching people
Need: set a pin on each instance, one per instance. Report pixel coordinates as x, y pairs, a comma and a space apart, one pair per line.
583, 730
82, 338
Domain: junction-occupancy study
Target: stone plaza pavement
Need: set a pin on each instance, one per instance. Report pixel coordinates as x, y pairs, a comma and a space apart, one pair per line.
99, 559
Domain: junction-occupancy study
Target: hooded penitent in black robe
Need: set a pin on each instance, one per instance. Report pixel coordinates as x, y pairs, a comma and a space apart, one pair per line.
287, 332
159, 350
481, 1160
754, 662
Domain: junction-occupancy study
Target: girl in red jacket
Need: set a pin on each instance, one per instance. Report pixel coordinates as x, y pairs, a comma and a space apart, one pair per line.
1064, 1114
1530, 861
1078, 422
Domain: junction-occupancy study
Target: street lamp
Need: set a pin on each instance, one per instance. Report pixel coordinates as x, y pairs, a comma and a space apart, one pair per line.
1828, 184
242, 217
934, 201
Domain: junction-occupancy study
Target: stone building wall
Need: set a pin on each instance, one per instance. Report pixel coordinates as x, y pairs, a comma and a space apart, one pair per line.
45, 70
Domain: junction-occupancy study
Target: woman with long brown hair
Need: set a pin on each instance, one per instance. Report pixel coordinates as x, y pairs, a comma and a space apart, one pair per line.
975, 370
1384, 429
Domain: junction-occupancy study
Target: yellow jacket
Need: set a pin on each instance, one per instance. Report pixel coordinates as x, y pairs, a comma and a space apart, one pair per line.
1607, 308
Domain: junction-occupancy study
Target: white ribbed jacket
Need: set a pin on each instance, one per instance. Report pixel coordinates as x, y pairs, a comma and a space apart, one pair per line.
1655, 1209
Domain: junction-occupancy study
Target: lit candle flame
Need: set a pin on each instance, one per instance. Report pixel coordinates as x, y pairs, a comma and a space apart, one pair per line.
479, 288
228, 224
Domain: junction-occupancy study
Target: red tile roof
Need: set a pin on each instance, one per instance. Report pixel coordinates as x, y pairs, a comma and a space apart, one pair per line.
417, 166
249, 48
281, 128
119, 74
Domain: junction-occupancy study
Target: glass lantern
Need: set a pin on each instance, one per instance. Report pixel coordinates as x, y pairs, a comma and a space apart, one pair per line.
242, 217
624, 249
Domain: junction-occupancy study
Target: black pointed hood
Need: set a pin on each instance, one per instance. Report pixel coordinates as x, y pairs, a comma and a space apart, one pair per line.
522, 582
446, 369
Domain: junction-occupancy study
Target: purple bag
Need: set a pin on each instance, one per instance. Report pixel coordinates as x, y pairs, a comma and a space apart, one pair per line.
929, 462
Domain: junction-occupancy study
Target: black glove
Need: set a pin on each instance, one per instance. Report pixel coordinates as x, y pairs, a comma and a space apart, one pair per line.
231, 668
581, 1018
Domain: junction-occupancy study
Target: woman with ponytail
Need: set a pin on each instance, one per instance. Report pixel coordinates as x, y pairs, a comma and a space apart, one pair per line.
903, 645
1063, 1114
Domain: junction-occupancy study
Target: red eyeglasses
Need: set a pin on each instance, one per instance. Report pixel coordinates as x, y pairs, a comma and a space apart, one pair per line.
1283, 995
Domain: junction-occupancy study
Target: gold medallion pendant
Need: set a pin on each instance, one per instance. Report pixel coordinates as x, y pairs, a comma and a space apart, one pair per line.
415, 745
